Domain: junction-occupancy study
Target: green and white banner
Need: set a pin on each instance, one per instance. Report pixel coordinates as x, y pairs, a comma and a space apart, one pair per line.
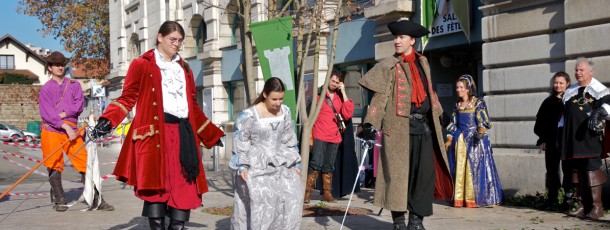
273, 41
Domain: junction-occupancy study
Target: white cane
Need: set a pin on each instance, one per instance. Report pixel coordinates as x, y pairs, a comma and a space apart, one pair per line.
366, 145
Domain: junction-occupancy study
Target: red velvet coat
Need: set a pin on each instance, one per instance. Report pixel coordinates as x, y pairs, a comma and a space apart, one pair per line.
142, 159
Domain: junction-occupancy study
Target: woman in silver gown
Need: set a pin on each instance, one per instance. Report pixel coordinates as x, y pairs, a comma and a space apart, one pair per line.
268, 192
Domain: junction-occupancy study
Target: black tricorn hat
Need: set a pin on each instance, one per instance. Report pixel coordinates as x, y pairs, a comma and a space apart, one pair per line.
57, 58
405, 27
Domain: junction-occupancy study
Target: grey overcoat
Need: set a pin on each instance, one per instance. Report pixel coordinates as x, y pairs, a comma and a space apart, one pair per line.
389, 110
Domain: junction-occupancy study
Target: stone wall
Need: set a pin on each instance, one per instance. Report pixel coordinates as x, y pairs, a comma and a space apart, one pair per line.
526, 42
19, 104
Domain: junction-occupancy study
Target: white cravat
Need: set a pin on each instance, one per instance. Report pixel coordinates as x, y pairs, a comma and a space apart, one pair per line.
173, 86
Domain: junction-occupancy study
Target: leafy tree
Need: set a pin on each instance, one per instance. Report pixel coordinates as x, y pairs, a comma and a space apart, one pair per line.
310, 24
82, 26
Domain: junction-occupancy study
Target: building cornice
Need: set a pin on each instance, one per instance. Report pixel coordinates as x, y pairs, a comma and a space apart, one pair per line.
492, 7
133, 4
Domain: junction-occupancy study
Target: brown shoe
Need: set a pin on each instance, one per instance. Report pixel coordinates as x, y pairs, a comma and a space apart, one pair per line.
327, 186
311, 181
578, 184
105, 207
596, 179
60, 207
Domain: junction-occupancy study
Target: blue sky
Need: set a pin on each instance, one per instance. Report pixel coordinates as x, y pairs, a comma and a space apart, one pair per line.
24, 28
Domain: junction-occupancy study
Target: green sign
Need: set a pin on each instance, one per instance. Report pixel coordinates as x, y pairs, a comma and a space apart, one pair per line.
273, 41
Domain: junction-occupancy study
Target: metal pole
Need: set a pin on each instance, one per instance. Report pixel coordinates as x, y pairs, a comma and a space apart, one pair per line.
215, 152
215, 160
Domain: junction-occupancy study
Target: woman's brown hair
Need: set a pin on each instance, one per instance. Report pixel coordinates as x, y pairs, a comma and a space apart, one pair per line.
169, 27
273, 84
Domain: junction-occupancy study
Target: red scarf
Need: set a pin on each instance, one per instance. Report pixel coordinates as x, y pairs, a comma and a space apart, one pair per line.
418, 94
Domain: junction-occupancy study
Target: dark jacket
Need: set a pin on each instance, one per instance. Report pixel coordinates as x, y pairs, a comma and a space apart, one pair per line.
548, 116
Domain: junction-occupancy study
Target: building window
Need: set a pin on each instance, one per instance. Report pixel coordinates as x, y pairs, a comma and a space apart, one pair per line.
234, 29
201, 36
237, 98
7, 62
134, 47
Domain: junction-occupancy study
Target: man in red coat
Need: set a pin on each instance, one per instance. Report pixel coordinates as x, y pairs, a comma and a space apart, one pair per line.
160, 156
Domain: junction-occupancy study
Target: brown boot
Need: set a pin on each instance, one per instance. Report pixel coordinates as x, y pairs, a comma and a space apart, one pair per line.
596, 179
103, 205
312, 177
57, 191
580, 210
327, 186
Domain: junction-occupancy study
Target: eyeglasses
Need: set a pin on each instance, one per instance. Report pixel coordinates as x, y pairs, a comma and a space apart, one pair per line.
56, 64
177, 41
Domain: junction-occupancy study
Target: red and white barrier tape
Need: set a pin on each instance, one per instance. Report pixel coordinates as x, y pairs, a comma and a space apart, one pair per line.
20, 156
28, 194
16, 144
37, 146
41, 194
110, 138
26, 167
20, 139
103, 178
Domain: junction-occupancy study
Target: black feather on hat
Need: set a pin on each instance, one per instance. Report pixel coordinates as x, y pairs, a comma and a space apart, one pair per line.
405, 27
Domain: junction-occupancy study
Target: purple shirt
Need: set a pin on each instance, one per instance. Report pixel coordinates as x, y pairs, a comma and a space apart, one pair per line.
51, 103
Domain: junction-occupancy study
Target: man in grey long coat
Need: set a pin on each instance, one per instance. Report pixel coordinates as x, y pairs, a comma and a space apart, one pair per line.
406, 108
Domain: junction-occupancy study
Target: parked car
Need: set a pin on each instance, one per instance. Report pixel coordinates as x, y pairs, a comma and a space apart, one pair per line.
30, 136
27, 136
10, 132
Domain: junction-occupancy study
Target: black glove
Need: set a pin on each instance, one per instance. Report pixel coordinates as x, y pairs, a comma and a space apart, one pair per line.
219, 143
368, 132
102, 128
597, 121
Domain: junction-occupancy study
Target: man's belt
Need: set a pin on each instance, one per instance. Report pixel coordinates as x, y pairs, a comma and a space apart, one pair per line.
418, 116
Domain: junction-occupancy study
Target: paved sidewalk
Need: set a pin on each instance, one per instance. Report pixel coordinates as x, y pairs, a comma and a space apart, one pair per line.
35, 212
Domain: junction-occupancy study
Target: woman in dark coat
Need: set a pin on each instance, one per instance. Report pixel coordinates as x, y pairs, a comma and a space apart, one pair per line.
548, 128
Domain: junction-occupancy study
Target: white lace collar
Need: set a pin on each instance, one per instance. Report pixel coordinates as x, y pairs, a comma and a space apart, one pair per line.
595, 88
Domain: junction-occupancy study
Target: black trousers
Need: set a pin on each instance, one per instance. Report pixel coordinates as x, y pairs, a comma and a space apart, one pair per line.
422, 175
323, 156
552, 159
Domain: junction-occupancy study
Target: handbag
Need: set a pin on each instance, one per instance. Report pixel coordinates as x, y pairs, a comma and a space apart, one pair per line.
338, 117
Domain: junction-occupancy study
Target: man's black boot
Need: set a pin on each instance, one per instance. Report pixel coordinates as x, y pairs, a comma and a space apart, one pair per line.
398, 219
416, 222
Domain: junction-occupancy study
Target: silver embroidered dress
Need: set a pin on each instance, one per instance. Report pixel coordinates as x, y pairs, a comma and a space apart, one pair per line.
272, 197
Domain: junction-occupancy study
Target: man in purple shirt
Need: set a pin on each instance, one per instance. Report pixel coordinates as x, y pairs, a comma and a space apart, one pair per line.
61, 101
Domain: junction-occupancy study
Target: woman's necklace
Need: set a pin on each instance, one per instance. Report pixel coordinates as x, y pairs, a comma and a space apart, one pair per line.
464, 104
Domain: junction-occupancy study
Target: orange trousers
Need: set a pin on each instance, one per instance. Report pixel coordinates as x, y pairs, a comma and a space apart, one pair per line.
52, 140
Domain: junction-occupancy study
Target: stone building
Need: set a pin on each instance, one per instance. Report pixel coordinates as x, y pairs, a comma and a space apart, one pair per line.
526, 42
512, 48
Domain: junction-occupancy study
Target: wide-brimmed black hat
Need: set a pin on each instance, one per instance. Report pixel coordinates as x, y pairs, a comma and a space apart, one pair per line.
405, 27
57, 58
